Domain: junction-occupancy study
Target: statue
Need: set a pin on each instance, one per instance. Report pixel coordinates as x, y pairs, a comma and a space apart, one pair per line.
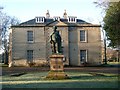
56, 59
55, 40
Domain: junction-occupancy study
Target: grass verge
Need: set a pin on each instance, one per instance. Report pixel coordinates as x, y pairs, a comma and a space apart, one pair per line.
77, 80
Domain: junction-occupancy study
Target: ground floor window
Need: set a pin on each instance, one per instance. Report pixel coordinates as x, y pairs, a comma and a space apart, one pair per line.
83, 56
30, 55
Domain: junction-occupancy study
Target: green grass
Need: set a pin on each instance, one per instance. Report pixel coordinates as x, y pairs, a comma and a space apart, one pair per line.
77, 80
113, 63
3, 65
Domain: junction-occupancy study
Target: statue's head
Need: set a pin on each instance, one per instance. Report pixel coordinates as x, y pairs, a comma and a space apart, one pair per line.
54, 27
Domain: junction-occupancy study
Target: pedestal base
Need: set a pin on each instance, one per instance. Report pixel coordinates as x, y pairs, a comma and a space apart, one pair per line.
56, 68
57, 75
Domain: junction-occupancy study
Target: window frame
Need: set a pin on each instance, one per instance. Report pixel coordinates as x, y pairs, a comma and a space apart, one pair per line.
56, 18
29, 40
29, 53
40, 19
85, 36
72, 19
86, 57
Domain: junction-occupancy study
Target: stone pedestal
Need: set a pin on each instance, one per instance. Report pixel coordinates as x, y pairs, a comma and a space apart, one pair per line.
56, 67
56, 62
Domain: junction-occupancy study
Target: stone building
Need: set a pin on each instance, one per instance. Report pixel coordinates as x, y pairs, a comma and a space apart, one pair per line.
29, 41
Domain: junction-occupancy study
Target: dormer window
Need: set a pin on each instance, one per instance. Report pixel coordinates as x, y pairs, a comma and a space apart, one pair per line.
40, 19
56, 18
72, 19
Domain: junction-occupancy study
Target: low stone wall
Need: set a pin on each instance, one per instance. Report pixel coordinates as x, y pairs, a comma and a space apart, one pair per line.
91, 64
41, 63
24, 62
19, 63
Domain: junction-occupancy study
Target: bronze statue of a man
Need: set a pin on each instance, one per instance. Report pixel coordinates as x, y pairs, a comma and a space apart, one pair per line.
55, 40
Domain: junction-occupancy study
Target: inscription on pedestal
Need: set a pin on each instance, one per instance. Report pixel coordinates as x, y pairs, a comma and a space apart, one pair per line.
56, 62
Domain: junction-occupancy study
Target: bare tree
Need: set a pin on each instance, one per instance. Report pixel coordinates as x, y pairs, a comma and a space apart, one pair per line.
102, 4
1, 27
5, 22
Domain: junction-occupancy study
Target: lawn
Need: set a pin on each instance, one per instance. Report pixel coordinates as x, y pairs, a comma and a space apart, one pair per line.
113, 63
77, 80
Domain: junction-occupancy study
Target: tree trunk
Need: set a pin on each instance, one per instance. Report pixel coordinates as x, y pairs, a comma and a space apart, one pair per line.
6, 57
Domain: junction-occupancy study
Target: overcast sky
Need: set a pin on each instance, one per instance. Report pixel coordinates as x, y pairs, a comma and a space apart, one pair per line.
28, 9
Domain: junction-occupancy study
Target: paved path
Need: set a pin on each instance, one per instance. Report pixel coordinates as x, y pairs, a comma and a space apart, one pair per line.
12, 70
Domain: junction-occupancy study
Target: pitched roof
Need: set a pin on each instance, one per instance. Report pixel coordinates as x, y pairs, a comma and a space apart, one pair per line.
49, 20
52, 22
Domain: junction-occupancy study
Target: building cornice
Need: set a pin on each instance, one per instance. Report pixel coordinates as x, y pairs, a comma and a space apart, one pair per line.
68, 25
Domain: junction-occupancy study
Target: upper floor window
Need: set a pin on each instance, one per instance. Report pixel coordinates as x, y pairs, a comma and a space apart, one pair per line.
83, 36
40, 19
72, 19
30, 36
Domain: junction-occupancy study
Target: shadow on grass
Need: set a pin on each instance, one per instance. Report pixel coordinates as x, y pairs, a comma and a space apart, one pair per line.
90, 84
90, 77
74, 82
77, 80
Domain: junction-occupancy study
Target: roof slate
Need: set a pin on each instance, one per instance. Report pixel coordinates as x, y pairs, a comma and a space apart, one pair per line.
47, 21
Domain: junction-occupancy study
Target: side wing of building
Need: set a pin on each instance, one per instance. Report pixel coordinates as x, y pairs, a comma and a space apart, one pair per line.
28, 45
85, 45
